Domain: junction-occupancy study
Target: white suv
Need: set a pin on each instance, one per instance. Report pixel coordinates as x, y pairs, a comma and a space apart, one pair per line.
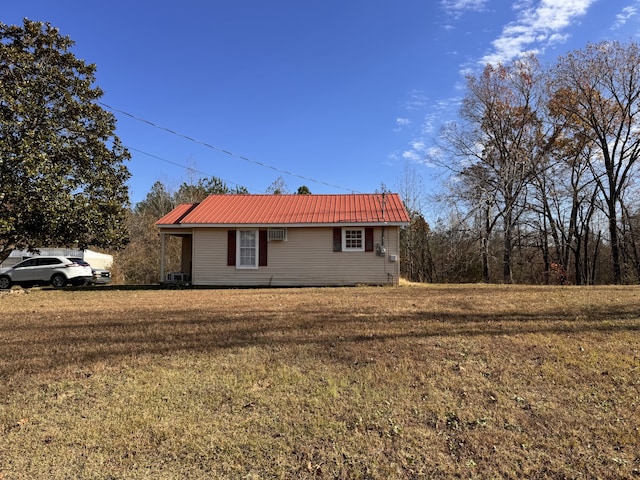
58, 271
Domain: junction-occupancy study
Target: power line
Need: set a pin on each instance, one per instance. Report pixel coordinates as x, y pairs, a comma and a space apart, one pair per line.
181, 165
222, 150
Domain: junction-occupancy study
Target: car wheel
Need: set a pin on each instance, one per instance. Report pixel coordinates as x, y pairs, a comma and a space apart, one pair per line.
5, 283
58, 280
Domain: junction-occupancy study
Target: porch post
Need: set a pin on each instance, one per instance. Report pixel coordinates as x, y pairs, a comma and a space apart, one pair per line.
162, 254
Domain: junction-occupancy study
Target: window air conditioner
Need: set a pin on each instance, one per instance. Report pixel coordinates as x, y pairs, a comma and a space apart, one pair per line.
277, 234
177, 277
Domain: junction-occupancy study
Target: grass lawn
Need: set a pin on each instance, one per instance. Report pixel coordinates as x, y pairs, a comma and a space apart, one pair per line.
462, 381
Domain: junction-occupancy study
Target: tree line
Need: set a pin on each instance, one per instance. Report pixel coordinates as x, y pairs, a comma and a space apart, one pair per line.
543, 175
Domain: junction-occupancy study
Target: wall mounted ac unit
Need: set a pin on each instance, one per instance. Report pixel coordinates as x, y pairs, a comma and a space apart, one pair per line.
177, 277
277, 234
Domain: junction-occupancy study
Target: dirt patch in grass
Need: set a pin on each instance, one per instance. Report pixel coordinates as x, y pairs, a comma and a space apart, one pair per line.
362, 383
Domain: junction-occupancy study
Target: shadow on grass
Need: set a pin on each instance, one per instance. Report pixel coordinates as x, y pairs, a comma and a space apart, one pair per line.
38, 346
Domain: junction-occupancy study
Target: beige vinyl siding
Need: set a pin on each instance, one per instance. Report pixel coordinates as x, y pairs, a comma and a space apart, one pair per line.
305, 258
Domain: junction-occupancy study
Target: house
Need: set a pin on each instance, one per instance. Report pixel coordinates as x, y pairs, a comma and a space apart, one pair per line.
287, 240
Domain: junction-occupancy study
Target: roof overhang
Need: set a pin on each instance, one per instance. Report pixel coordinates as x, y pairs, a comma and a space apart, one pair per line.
281, 225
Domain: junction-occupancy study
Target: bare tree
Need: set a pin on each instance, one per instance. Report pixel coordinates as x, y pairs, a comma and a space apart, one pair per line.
597, 92
278, 187
500, 145
417, 259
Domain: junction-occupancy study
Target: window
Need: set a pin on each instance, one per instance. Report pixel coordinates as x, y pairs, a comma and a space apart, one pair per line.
32, 262
247, 249
353, 239
50, 261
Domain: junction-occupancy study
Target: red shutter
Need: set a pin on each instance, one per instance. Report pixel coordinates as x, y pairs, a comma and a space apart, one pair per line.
337, 239
368, 239
231, 248
262, 249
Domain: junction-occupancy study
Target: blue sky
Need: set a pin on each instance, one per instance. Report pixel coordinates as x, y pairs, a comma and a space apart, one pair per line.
337, 95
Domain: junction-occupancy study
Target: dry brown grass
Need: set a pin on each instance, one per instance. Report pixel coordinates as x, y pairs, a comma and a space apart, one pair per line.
359, 383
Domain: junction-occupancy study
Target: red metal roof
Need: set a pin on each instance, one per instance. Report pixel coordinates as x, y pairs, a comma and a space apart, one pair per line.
175, 215
233, 209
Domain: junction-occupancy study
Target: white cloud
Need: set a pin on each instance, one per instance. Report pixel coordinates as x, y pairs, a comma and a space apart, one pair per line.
437, 112
401, 123
522, 4
536, 28
411, 155
421, 149
418, 146
458, 7
465, 70
417, 152
434, 153
623, 17
417, 100
426, 156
